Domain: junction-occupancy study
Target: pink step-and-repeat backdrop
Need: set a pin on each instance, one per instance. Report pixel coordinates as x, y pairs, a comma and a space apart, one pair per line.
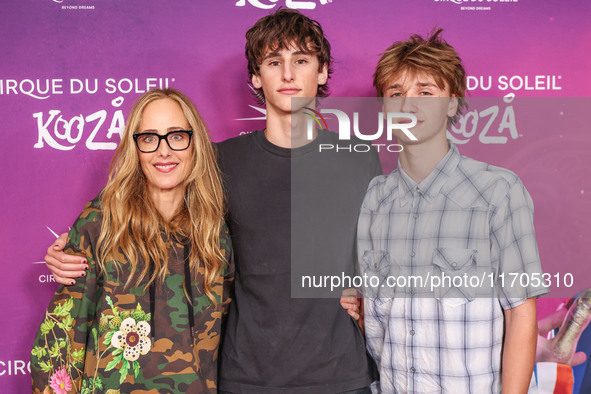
71, 69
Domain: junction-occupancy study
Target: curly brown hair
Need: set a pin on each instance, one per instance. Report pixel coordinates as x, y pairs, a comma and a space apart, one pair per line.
278, 31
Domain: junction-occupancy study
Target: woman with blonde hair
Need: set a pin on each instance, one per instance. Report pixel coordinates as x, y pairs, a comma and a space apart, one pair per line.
147, 316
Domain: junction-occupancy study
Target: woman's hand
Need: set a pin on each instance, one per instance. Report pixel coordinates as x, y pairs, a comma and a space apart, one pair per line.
64, 267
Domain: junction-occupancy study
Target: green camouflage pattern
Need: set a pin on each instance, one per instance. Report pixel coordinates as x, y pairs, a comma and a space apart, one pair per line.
96, 335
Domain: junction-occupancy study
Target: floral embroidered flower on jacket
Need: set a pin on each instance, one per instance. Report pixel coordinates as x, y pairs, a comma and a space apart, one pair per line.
132, 338
60, 382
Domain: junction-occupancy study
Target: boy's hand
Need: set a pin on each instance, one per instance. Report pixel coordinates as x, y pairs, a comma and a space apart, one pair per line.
350, 303
64, 267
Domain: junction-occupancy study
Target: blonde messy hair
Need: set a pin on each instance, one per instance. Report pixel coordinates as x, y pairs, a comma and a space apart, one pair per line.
132, 226
432, 56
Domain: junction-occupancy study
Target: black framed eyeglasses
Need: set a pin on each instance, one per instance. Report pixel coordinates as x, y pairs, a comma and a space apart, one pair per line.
176, 140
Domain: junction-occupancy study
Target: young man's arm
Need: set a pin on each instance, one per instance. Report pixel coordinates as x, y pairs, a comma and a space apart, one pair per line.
515, 249
519, 348
64, 267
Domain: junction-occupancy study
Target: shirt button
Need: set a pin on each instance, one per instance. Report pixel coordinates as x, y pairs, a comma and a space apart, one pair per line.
412, 369
412, 254
412, 292
412, 332
416, 215
454, 264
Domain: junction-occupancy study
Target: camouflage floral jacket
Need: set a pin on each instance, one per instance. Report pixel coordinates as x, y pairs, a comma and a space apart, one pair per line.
99, 336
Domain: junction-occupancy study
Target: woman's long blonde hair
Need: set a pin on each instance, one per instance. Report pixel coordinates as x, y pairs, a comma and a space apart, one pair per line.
131, 224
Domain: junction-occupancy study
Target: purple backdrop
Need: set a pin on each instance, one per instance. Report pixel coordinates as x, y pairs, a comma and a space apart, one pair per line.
70, 70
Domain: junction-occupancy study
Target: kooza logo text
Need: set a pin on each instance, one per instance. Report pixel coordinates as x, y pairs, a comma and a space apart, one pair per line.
294, 4
475, 1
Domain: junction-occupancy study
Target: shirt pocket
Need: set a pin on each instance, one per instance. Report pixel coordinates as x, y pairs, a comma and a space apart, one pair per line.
455, 267
375, 267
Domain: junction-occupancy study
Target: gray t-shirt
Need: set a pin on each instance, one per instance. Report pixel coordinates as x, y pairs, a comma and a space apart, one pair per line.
273, 342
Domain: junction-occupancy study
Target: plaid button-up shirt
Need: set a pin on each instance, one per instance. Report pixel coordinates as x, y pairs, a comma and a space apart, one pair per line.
467, 218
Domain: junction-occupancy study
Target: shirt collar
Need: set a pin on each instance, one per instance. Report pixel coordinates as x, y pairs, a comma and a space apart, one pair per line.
432, 184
